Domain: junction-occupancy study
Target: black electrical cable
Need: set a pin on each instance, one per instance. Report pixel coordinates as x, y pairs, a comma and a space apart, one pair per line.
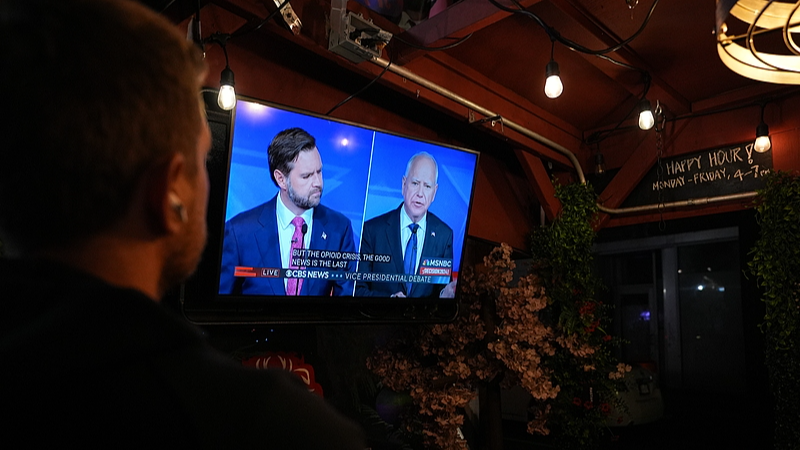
602, 135
357, 93
218, 37
567, 42
433, 49
266, 19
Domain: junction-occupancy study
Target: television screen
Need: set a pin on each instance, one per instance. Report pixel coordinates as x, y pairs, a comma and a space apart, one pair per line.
313, 219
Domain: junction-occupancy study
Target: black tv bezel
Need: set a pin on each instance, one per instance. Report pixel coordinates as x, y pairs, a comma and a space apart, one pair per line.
199, 298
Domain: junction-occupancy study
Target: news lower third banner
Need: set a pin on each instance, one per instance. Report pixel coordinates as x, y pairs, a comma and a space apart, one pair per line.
329, 265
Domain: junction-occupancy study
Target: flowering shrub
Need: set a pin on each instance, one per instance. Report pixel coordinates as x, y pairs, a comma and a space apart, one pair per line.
497, 336
543, 332
583, 366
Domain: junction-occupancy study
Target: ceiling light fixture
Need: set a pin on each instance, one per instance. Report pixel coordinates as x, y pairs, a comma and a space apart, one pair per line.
646, 118
763, 142
759, 18
552, 84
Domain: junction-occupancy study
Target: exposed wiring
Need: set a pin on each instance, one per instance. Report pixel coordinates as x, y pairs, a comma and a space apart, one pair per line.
433, 49
266, 19
572, 45
602, 134
222, 38
554, 34
357, 93
599, 136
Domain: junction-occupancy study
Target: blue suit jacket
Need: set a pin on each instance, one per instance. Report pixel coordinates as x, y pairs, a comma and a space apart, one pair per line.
251, 239
382, 236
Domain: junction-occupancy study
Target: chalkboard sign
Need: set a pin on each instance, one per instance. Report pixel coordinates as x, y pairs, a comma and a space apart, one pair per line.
710, 173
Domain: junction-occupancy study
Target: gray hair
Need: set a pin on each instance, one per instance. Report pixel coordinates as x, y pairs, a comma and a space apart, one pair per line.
423, 155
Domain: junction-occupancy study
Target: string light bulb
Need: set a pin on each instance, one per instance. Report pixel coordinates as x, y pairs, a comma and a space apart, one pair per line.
599, 163
226, 98
553, 88
646, 118
763, 142
227, 95
552, 83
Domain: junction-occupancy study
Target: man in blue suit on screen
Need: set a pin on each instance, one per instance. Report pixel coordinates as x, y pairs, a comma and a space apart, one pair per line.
265, 236
410, 234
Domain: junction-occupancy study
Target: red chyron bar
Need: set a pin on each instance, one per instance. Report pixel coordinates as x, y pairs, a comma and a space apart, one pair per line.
264, 272
436, 266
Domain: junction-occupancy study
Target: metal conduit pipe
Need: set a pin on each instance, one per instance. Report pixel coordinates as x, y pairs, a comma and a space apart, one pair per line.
553, 145
477, 108
682, 203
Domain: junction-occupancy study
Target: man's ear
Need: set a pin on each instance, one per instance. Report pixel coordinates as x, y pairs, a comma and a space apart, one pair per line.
280, 178
167, 191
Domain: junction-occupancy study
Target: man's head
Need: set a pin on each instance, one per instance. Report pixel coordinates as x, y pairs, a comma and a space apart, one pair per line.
296, 168
106, 120
419, 185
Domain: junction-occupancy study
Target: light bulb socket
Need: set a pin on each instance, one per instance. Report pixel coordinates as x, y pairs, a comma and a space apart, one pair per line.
762, 130
644, 105
226, 77
551, 69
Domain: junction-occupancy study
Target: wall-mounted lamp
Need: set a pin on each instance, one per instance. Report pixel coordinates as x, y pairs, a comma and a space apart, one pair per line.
646, 118
763, 142
552, 84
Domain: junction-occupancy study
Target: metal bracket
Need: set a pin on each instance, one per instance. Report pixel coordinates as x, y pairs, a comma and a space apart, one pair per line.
289, 17
354, 37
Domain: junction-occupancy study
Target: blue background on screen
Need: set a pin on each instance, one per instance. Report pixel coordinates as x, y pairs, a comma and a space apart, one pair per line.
351, 186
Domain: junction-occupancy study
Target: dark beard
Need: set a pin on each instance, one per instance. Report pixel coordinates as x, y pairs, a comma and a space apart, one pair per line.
302, 202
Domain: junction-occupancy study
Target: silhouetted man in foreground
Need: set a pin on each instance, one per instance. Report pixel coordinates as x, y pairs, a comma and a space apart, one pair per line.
103, 198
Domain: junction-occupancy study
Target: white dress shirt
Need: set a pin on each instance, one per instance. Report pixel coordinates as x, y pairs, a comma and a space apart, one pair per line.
286, 229
405, 234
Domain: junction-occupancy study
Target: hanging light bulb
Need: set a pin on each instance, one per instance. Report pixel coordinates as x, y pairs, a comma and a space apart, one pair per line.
646, 118
763, 142
227, 95
599, 163
552, 85
226, 98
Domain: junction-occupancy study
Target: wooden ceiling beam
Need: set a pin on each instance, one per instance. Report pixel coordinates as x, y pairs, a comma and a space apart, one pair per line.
632, 172
660, 89
462, 18
440, 69
540, 182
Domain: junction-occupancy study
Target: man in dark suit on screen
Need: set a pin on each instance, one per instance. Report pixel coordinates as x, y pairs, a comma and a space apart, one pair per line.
265, 236
410, 234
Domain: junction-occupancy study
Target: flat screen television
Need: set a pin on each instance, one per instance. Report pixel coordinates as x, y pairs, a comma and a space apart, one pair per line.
350, 260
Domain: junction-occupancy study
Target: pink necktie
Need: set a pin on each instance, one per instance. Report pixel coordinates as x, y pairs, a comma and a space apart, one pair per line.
293, 285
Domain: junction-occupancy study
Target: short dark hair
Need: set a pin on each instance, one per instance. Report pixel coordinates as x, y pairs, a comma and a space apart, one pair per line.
101, 91
284, 148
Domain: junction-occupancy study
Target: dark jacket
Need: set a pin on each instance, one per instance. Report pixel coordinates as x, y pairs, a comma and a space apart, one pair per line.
89, 365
